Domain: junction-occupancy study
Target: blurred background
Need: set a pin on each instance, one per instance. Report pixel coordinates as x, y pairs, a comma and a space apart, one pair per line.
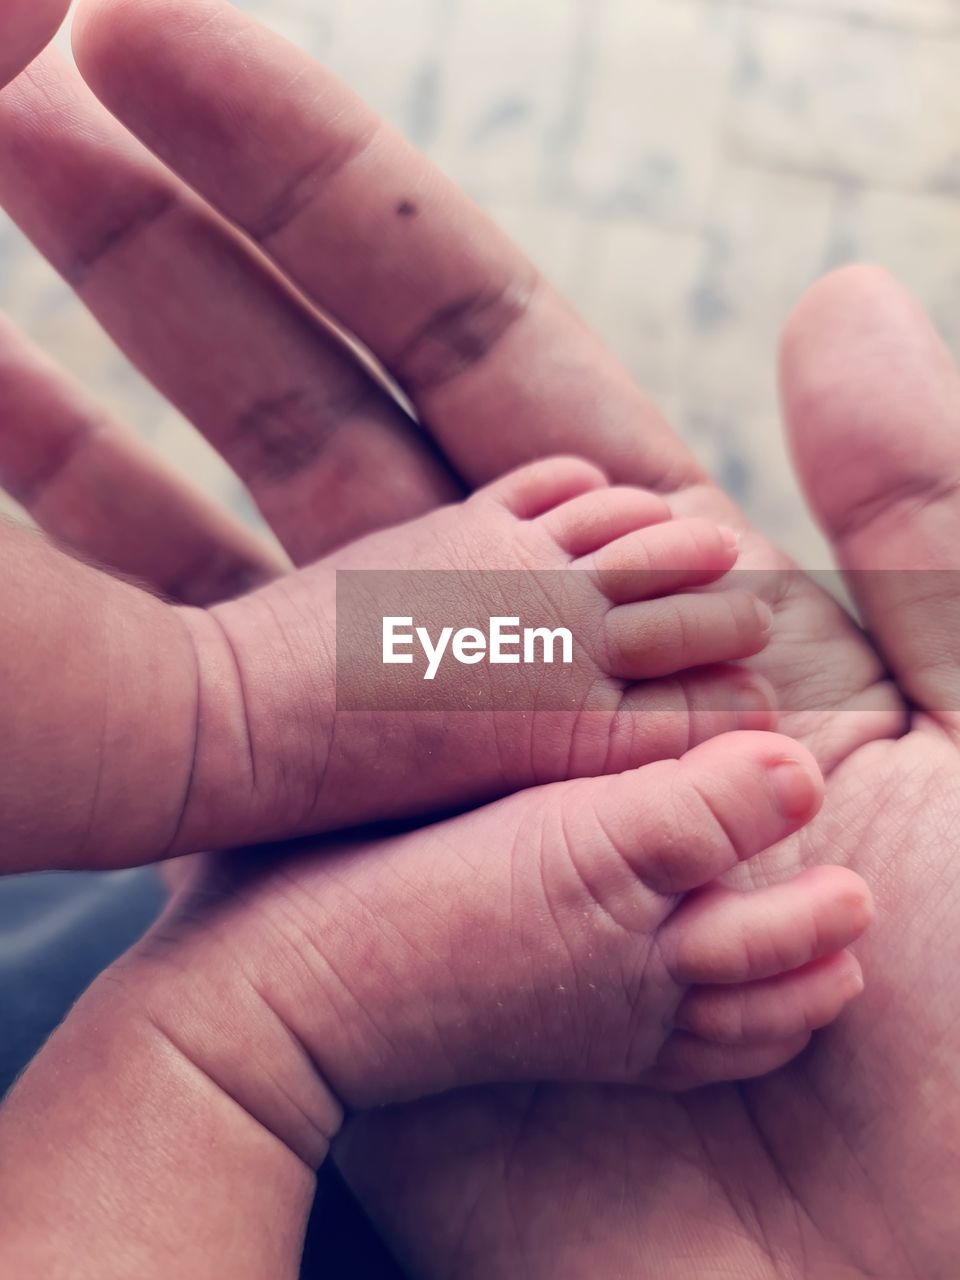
681, 169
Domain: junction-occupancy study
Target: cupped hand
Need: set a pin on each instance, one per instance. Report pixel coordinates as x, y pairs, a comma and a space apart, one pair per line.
842, 1165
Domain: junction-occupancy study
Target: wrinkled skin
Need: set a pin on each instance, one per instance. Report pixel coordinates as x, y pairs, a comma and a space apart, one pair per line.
845, 1164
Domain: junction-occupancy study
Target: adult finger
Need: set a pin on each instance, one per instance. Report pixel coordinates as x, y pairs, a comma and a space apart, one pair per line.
872, 401
325, 450
500, 369
27, 27
98, 490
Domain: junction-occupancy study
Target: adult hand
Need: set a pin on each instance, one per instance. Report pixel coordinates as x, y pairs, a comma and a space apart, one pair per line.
843, 1164
26, 27
819, 1167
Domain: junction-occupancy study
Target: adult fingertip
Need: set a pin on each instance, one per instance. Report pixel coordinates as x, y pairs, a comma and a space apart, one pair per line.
26, 28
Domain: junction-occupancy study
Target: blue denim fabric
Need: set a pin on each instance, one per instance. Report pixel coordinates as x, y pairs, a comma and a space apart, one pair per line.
57, 931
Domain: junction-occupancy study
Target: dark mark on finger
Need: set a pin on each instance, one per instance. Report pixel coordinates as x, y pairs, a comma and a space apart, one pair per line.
407, 209
458, 335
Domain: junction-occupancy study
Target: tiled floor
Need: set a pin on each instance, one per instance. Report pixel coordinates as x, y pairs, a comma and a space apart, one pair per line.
681, 168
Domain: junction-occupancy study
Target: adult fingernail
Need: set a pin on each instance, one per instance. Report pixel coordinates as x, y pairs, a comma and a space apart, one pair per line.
795, 787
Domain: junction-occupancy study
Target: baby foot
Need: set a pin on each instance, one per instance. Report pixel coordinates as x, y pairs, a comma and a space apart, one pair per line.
294, 739
570, 932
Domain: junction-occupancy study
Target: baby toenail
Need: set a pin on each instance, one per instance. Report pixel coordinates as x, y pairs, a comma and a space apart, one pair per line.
754, 706
852, 983
794, 786
764, 616
729, 537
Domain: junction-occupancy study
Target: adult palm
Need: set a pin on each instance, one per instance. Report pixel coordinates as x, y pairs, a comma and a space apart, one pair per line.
845, 1163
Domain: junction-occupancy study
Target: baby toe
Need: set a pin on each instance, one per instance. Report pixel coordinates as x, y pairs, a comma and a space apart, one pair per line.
689, 1062
661, 637
779, 1008
663, 719
532, 490
721, 936
677, 825
593, 519
666, 558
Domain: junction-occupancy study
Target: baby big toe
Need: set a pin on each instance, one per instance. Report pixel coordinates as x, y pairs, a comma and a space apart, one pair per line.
680, 824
